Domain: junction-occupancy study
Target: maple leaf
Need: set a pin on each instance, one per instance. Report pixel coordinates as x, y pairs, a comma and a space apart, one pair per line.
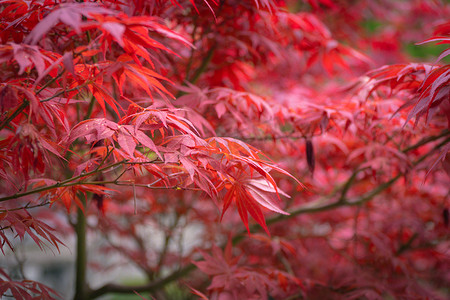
249, 194
153, 119
102, 96
29, 149
68, 195
25, 56
139, 76
93, 130
434, 90
431, 83
220, 261
68, 13
229, 277
21, 222
132, 34
9, 98
135, 53
26, 289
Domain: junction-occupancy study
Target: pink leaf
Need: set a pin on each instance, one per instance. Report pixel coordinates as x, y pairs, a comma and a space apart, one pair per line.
126, 142
146, 141
69, 14
116, 30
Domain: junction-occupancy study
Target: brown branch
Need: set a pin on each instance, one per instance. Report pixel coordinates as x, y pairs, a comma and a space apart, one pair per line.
149, 287
64, 183
28, 206
426, 140
167, 240
14, 114
81, 287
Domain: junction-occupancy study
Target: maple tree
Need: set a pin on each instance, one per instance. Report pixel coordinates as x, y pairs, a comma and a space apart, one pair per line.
180, 116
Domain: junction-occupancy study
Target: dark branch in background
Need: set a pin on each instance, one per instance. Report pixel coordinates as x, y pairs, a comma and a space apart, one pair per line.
406, 245
167, 240
150, 287
81, 288
204, 64
202, 68
424, 141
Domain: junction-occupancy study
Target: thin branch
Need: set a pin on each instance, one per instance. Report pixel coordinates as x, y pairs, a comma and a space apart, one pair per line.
203, 65
127, 254
194, 40
28, 206
167, 240
313, 207
14, 114
48, 83
424, 141
404, 247
294, 135
149, 287
349, 183
108, 153
59, 94
156, 161
64, 183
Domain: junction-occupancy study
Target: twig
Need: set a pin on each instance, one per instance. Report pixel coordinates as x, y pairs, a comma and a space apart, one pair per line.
14, 114
60, 184
26, 207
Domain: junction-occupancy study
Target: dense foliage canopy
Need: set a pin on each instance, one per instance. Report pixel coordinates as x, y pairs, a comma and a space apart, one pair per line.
318, 119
